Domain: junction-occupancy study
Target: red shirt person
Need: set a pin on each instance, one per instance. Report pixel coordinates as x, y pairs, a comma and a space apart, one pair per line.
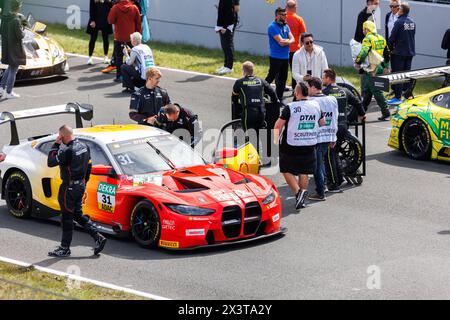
126, 19
297, 26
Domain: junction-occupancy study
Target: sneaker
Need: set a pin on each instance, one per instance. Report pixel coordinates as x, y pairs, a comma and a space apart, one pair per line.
384, 117
60, 252
99, 244
334, 189
317, 197
220, 70
109, 69
394, 102
12, 95
225, 70
106, 60
300, 199
325, 189
90, 61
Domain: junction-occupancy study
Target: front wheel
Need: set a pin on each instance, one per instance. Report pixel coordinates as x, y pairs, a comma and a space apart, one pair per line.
18, 195
145, 224
416, 140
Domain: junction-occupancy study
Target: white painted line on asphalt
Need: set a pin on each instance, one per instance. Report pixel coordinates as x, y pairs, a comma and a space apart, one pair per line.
164, 68
83, 279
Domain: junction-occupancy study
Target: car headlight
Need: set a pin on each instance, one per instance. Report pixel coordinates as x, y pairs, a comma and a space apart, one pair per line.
269, 198
190, 210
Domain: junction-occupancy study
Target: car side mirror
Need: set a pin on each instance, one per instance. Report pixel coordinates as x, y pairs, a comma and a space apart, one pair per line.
102, 170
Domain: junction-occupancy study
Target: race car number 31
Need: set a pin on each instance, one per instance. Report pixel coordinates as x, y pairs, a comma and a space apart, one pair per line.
106, 197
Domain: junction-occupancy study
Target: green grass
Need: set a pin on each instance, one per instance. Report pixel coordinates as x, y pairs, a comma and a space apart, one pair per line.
194, 58
19, 283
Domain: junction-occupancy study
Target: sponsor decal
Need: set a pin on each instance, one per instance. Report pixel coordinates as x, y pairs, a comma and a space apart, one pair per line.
275, 217
230, 196
169, 244
147, 178
106, 197
444, 129
306, 125
195, 232
168, 225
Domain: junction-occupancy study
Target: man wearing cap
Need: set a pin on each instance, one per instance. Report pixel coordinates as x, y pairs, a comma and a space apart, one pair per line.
373, 41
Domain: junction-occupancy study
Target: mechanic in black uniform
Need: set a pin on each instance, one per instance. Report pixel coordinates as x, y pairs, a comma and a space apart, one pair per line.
75, 166
345, 98
148, 101
174, 117
248, 103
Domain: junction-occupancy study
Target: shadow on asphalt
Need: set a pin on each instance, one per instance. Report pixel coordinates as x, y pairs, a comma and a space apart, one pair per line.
198, 78
122, 248
398, 159
43, 81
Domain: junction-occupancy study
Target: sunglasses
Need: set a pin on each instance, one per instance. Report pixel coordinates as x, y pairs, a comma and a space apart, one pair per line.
282, 14
309, 42
393, 6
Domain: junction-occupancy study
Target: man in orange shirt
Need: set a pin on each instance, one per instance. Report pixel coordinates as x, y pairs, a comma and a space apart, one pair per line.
297, 26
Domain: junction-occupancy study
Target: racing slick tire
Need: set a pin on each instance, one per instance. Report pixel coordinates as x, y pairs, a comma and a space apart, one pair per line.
18, 195
145, 224
416, 139
351, 154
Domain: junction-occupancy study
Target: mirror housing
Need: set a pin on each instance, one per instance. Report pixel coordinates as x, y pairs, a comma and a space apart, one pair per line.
102, 170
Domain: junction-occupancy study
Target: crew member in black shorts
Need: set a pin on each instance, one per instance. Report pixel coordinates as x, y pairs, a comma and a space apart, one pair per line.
301, 121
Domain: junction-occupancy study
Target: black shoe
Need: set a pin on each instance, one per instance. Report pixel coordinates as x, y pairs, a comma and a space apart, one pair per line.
118, 80
317, 197
300, 199
334, 189
384, 117
60, 252
99, 244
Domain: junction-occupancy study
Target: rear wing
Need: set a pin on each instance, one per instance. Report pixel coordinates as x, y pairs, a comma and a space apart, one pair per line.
81, 111
383, 82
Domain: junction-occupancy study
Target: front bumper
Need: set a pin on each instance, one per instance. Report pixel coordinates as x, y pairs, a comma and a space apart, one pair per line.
43, 72
279, 233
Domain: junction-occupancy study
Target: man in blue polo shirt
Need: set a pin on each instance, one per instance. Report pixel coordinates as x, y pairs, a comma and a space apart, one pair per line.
402, 44
280, 39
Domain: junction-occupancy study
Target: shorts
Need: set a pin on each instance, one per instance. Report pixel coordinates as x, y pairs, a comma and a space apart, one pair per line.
298, 164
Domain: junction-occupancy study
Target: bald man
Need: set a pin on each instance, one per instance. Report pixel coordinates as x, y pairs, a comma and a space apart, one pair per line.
75, 166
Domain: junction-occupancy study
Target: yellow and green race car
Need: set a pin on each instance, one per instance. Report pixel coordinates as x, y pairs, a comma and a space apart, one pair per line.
421, 125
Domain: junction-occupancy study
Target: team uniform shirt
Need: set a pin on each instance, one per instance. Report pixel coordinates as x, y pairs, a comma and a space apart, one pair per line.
74, 161
147, 102
376, 42
250, 91
402, 39
277, 51
142, 58
302, 127
187, 120
330, 111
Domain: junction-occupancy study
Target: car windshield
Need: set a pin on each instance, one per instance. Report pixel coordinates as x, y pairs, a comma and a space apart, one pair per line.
153, 154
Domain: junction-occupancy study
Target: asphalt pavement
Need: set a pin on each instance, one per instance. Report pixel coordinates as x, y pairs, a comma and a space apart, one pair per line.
386, 239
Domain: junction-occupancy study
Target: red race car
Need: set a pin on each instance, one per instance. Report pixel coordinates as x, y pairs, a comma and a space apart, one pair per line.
145, 182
